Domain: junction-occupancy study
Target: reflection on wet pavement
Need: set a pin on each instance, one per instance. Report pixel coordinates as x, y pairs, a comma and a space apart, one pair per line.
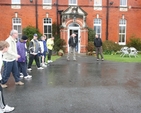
82, 86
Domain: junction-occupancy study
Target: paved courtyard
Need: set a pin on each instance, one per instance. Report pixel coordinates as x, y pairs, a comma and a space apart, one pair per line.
82, 86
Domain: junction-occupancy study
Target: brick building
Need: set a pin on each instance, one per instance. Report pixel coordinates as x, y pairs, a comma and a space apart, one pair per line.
114, 20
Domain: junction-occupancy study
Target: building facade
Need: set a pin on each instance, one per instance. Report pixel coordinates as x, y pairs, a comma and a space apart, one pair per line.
115, 20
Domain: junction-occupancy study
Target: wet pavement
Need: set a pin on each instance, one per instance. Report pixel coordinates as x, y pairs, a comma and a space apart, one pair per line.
82, 86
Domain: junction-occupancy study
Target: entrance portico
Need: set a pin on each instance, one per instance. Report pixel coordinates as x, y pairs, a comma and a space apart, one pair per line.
74, 21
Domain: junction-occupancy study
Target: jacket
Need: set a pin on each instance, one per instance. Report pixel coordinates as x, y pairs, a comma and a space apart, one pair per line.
11, 54
72, 42
34, 46
97, 42
50, 44
21, 51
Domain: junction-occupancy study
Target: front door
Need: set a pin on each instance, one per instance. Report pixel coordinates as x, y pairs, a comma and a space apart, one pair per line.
75, 29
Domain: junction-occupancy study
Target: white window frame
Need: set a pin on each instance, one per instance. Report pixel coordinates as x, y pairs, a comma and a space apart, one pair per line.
98, 23
123, 7
97, 4
72, 2
122, 23
48, 23
47, 5
16, 23
15, 4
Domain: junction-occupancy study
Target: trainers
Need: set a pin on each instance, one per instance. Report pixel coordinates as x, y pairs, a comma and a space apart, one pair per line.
21, 76
102, 59
68, 59
43, 65
4, 86
19, 83
28, 76
8, 109
40, 68
97, 59
29, 69
51, 61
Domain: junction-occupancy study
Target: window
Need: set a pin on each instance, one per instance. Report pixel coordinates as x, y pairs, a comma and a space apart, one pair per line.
15, 4
47, 4
48, 27
16, 1
97, 4
72, 2
122, 32
17, 26
97, 26
123, 3
47, 1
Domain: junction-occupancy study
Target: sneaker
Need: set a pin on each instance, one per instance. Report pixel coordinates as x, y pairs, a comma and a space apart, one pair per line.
68, 59
74, 59
21, 76
1, 111
29, 69
4, 86
28, 76
97, 59
8, 109
43, 65
51, 61
102, 59
19, 83
40, 68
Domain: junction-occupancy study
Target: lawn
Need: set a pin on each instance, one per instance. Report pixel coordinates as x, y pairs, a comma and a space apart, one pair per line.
118, 58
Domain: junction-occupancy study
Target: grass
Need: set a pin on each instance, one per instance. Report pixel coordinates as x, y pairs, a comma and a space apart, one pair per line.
118, 58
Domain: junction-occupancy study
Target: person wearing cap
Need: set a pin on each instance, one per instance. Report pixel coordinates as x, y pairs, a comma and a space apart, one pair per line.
3, 107
10, 61
72, 44
21, 48
50, 44
34, 50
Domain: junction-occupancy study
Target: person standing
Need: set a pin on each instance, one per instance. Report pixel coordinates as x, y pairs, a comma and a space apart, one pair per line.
3, 107
72, 44
98, 46
10, 61
21, 44
34, 50
43, 46
50, 44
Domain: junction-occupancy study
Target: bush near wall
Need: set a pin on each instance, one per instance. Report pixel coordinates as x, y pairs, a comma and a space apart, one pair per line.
29, 31
134, 42
109, 47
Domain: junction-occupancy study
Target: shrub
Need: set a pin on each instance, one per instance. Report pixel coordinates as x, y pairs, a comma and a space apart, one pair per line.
59, 44
134, 42
91, 34
110, 47
29, 31
90, 47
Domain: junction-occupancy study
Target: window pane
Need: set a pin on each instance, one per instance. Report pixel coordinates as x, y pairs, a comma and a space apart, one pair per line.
49, 29
47, 1
16, 1
97, 2
123, 2
72, 2
45, 29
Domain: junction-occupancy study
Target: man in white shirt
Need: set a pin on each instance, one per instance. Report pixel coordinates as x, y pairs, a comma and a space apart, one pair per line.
10, 61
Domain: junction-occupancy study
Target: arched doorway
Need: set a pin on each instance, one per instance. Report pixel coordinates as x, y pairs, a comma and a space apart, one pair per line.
75, 28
